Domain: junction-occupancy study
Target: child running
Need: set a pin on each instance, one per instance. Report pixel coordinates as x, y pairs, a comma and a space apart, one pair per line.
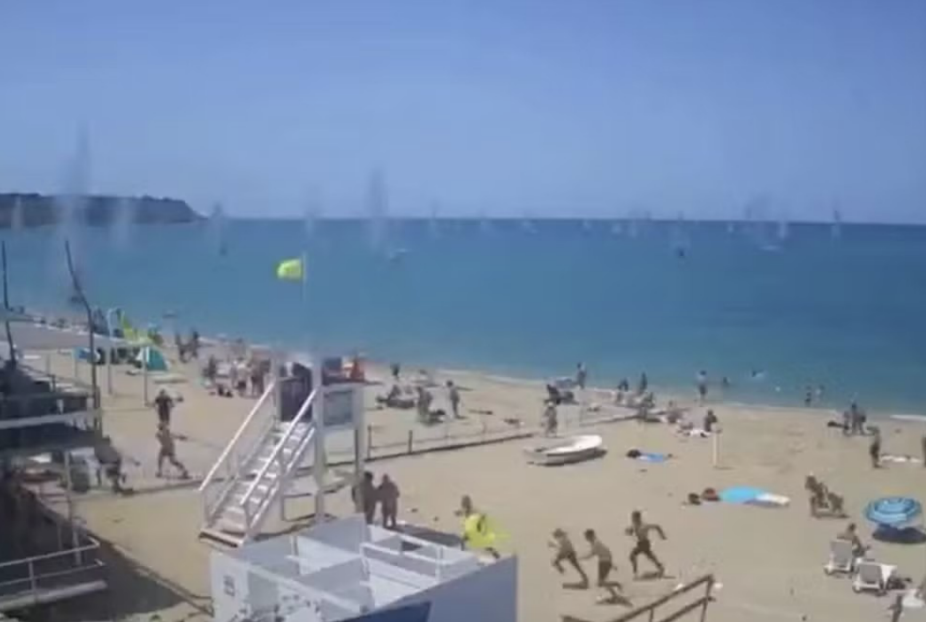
640, 530
566, 552
605, 564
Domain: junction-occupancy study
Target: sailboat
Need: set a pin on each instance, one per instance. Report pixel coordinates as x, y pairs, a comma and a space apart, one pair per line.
217, 229
433, 224
836, 226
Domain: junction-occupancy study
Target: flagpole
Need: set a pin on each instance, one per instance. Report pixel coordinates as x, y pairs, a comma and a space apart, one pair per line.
303, 266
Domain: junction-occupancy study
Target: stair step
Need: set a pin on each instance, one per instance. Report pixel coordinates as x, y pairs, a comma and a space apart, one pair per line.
217, 536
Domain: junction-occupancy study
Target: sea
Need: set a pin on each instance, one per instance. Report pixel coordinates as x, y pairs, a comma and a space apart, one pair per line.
774, 309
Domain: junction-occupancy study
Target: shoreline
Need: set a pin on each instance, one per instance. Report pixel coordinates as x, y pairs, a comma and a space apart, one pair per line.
679, 394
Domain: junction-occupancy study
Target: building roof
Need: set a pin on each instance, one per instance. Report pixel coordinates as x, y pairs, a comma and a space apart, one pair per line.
39, 337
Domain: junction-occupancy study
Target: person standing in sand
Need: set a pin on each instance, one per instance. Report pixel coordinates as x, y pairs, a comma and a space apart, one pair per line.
643, 384
364, 495
640, 530
388, 494
874, 449
851, 535
581, 375
168, 451
453, 394
550, 419
566, 552
605, 565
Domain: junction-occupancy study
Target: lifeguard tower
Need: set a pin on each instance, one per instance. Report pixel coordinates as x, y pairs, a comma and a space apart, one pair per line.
279, 452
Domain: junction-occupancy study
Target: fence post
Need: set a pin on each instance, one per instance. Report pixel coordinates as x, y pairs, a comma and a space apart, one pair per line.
369, 441
410, 440
707, 598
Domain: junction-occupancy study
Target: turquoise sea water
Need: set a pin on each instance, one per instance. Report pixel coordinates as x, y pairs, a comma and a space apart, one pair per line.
849, 313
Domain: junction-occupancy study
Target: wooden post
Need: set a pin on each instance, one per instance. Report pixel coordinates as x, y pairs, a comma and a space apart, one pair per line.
411, 440
369, 441
716, 448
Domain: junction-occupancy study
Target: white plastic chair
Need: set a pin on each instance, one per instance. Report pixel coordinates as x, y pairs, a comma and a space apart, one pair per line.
872, 576
842, 560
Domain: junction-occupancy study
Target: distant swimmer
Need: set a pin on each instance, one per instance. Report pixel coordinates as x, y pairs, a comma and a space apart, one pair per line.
757, 374
680, 252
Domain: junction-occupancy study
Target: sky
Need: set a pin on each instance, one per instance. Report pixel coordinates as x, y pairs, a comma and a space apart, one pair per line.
592, 108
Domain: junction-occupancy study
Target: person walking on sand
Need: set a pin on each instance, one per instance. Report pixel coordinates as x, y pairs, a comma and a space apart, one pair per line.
605, 565
566, 552
388, 494
453, 393
168, 451
640, 530
164, 405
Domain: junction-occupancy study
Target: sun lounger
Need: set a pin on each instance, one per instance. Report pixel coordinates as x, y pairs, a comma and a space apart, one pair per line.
841, 559
872, 576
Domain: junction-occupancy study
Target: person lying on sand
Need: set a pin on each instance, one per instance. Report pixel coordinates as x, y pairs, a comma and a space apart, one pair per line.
640, 530
566, 552
605, 565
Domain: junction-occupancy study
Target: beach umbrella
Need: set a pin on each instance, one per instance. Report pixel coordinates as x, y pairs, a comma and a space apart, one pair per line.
893, 511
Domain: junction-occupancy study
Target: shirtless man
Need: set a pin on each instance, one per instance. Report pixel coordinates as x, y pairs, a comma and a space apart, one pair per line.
640, 530
566, 552
605, 565
388, 495
168, 451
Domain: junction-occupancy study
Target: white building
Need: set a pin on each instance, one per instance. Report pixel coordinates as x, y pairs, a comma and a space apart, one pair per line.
343, 569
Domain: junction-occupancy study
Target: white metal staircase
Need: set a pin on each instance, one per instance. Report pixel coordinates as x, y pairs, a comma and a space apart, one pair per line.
255, 470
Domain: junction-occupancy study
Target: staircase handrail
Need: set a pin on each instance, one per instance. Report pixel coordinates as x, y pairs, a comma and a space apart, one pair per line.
234, 441
274, 455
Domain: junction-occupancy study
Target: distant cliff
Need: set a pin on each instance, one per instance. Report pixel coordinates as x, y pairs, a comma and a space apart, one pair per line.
37, 210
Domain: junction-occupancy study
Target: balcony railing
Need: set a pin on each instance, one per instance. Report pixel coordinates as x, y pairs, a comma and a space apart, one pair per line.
52, 577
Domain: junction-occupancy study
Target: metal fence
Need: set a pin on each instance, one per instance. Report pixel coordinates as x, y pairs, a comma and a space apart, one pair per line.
665, 609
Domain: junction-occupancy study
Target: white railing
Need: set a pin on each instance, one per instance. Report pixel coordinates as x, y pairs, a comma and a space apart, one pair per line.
277, 456
228, 457
85, 560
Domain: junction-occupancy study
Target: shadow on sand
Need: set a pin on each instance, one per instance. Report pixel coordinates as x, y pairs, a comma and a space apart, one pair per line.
135, 592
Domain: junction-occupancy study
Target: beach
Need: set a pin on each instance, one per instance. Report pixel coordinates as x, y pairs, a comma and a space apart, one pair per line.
769, 561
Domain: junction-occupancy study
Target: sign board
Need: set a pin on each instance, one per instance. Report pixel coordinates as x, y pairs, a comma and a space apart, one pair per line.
342, 405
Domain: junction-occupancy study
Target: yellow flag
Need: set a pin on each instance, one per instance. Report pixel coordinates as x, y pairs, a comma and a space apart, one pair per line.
291, 270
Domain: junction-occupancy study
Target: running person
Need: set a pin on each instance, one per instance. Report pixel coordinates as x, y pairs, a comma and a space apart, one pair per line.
605, 565
566, 552
168, 451
640, 530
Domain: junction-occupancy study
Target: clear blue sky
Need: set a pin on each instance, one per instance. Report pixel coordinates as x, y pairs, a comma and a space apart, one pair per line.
501, 107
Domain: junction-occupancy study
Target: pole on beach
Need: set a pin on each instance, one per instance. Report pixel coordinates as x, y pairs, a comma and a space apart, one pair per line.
109, 371
716, 448
144, 373
320, 463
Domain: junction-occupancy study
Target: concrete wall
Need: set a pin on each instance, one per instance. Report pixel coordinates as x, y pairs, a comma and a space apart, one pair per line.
489, 595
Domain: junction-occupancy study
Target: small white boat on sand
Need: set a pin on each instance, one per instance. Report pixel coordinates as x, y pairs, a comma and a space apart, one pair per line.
566, 450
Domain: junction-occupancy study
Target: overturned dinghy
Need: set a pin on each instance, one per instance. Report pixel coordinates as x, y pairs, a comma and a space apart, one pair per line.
566, 450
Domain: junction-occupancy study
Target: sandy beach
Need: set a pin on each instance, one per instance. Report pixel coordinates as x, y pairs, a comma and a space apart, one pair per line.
768, 561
